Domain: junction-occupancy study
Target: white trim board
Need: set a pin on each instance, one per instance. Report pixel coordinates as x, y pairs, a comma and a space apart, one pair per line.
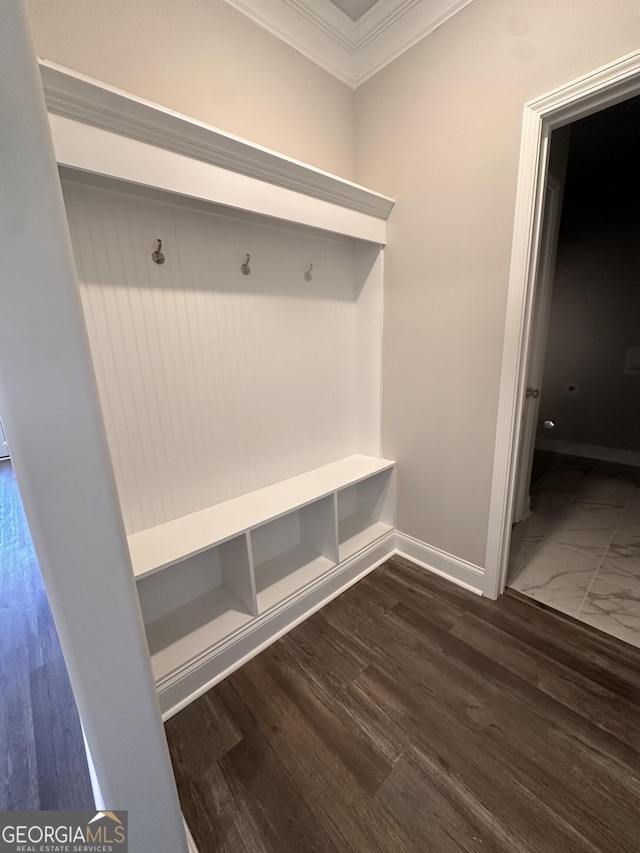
454, 569
190, 842
352, 51
590, 451
598, 89
99, 152
88, 118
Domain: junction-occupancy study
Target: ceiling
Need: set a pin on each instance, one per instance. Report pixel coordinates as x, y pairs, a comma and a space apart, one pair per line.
355, 9
351, 39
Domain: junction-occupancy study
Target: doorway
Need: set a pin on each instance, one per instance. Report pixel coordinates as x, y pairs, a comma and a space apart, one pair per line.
605, 87
579, 550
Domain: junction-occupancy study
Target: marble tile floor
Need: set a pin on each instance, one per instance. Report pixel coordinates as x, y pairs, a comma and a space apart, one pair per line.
579, 550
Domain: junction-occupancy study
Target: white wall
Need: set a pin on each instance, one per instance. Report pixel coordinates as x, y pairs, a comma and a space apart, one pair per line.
439, 129
206, 60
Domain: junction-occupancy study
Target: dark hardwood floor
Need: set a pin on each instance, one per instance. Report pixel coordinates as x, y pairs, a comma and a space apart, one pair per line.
42, 758
410, 715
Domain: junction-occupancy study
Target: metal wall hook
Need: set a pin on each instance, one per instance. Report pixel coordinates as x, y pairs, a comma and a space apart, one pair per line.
245, 268
307, 275
157, 256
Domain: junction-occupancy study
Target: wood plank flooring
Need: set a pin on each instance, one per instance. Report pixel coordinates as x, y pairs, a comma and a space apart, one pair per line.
410, 715
42, 758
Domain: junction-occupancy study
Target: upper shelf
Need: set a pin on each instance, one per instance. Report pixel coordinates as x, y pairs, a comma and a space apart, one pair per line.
104, 130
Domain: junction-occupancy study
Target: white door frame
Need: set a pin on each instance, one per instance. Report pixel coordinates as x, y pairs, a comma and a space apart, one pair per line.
594, 91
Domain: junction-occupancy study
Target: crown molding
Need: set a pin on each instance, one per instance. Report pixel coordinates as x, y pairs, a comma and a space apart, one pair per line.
82, 99
381, 17
399, 32
351, 51
328, 18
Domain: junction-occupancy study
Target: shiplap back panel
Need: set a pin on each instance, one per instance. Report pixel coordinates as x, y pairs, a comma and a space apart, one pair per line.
213, 383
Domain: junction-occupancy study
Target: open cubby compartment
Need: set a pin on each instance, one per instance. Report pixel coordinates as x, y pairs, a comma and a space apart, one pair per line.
192, 605
293, 551
365, 513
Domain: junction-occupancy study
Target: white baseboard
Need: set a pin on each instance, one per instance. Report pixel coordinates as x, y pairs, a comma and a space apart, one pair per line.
191, 844
590, 451
464, 574
98, 799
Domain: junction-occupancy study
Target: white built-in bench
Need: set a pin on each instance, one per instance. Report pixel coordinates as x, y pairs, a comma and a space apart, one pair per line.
206, 577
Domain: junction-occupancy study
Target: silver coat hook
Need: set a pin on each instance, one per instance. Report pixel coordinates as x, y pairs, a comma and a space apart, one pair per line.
307, 275
245, 268
157, 256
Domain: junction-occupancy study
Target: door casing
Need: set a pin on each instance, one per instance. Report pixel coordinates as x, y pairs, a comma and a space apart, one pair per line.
597, 90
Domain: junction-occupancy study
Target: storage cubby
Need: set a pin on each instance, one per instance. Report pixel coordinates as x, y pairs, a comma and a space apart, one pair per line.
292, 551
196, 602
215, 585
365, 513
